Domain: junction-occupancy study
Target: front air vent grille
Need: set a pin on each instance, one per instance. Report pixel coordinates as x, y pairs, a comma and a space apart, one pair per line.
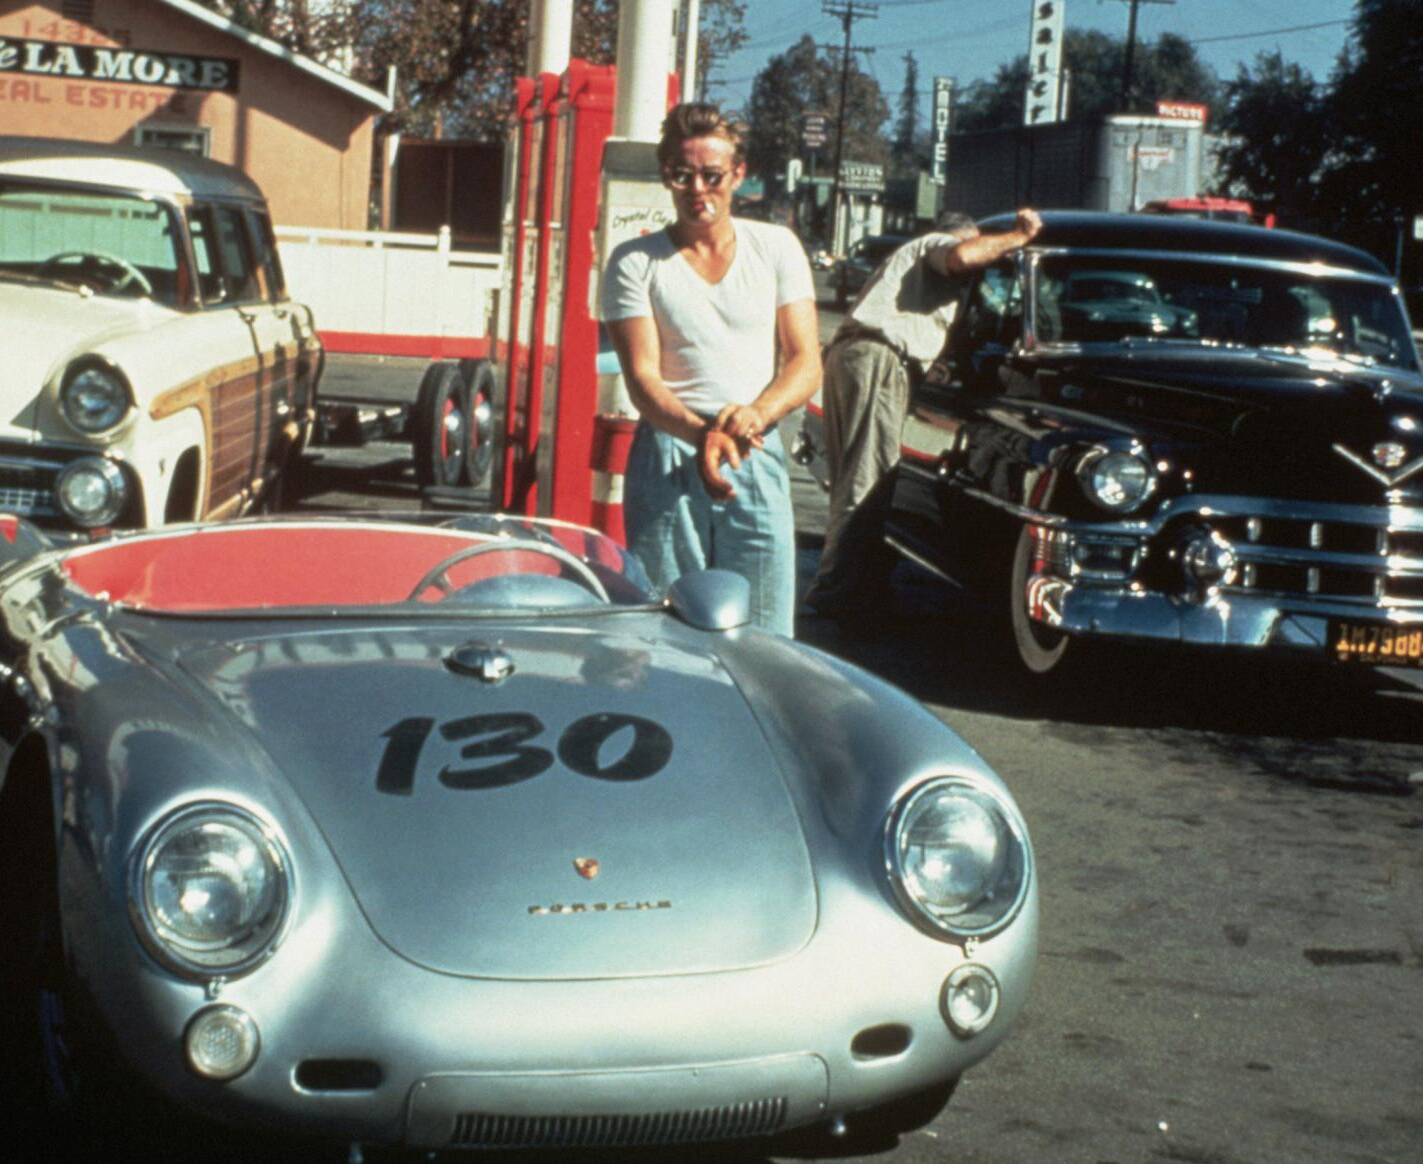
753, 1118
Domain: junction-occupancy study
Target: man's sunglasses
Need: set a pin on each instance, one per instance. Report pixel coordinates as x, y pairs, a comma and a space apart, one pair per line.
681, 177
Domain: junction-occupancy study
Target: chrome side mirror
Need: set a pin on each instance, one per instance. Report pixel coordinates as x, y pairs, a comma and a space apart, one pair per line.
714, 599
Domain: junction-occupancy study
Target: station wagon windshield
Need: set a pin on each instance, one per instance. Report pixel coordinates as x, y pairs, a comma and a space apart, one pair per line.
109, 244
1081, 298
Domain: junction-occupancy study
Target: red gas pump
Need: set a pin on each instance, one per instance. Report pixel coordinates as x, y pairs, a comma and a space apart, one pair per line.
550, 392
555, 439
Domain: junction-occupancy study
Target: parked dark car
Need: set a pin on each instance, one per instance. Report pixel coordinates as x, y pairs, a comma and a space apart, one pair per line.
861, 262
1235, 462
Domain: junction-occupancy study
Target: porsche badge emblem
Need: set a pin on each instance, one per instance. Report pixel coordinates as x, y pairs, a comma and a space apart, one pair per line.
586, 866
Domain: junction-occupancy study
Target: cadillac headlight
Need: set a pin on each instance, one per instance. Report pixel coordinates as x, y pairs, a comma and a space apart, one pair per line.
94, 398
958, 857
1116, 480
211, 889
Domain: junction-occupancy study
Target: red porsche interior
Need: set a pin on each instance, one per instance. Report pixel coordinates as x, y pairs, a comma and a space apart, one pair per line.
285, 565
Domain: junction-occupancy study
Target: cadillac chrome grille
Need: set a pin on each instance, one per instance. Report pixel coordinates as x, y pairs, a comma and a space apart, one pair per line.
1330, 559
756, 1117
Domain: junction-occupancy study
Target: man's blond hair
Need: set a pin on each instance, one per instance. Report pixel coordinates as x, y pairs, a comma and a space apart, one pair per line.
697, 119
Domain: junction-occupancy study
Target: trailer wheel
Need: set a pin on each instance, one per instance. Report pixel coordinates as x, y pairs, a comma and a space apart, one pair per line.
479, 451
440, 426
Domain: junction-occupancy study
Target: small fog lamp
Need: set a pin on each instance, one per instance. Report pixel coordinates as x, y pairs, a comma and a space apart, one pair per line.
91, 491
221, 1042
971, 999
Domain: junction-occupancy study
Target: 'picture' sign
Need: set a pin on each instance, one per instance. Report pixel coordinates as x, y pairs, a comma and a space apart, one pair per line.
127, 66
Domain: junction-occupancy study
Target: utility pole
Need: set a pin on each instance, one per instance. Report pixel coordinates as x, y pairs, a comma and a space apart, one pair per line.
1126, 95
847, 12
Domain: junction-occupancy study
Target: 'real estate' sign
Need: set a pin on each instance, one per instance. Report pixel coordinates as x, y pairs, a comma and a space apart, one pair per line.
129, 66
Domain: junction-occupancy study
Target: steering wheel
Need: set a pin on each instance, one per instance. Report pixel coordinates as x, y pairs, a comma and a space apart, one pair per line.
437, 578
54, 267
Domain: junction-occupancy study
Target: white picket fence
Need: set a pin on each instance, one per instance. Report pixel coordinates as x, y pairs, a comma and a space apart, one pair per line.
383, 291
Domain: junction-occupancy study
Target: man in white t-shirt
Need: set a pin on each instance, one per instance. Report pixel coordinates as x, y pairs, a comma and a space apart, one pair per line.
698, 313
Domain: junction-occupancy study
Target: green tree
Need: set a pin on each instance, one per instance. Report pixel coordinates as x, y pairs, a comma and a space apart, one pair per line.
1166, 68
455, 60
904, 154
803, 80
1274, 117
1371, 188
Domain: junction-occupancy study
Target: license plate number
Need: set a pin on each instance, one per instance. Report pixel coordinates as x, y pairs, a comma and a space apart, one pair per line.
1375, 644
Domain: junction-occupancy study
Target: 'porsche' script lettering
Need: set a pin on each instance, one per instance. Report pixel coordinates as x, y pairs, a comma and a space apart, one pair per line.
502, 750
566, 910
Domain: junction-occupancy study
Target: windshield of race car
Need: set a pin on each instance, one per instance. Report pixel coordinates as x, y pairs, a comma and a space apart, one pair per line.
1085, 298
472, 562
109, 244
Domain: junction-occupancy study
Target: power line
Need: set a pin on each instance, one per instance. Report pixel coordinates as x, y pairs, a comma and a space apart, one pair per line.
1242, 36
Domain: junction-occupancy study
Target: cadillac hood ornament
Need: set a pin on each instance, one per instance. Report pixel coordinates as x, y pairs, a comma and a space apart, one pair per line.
1388, 456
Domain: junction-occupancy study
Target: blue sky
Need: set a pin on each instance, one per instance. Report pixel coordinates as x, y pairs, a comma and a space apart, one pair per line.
969, 39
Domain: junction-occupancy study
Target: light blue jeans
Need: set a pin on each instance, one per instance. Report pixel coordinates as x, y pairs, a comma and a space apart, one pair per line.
674, 526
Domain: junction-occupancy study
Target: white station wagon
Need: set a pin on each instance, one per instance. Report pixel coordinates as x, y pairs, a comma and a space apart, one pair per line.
155, 368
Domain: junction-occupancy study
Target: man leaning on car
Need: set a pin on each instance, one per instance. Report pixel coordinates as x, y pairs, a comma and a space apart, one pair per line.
897, 328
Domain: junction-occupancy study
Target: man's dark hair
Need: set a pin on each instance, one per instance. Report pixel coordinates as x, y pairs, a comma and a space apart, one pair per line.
954, 221
697, 119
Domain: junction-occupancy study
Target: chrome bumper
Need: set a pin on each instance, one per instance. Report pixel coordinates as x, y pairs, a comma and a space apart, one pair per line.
1294, 567
1226, 618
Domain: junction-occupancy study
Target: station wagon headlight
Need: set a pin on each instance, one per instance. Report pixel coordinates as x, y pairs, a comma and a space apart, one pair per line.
958, 857
211, 889
1116, 480
94, 398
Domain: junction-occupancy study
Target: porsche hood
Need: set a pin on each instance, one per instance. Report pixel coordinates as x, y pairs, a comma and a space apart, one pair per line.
538, 803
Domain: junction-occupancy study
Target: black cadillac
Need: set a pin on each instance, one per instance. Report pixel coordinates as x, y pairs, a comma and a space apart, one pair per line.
1174, 431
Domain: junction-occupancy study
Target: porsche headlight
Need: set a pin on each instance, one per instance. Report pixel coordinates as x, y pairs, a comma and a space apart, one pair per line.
958, 857
211, 890
1116, 480
94, 398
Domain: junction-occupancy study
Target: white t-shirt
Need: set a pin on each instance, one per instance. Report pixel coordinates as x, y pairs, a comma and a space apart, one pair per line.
718, 341
910, 303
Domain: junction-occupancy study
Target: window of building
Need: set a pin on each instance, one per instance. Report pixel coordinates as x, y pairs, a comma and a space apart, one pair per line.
193, 139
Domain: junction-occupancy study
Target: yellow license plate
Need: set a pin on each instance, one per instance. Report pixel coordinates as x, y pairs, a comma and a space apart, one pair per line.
1375, 644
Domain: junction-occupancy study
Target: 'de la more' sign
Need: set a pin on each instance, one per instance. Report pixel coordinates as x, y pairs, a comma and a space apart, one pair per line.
131, 66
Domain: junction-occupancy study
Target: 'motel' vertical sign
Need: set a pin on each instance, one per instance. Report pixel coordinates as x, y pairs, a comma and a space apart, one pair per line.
1045, 58
943, 103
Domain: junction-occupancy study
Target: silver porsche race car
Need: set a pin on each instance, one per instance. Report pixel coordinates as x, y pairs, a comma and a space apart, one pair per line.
443, 832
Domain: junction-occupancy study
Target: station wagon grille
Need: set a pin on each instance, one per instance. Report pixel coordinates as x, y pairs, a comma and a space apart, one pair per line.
27, 484
1328, 560
752, 1118
26, 501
